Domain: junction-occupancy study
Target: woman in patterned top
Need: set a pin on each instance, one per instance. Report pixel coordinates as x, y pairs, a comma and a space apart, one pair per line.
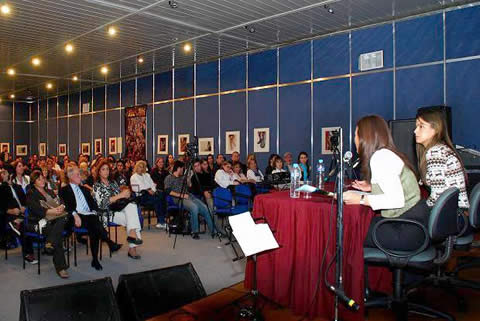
440, 166
107, 191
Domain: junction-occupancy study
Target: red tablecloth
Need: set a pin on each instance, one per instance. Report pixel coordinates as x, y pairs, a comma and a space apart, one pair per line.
289, 275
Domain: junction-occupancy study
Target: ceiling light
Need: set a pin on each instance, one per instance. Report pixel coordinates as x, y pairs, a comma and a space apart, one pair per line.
5, 9
49, 85
36, 61
173, 4
250, 29
330, 10
112, 31
12, 96
69, 47
104, 70
140, 60
187, 47
11, 71
75, 78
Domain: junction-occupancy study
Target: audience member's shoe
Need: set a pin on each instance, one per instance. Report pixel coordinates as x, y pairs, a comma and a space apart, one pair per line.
63, 274
14, 228
30, 259
135, 257
114, 247
195, 236
49, 248
134, 240
82, 240
161, 226
219, 234
96, 265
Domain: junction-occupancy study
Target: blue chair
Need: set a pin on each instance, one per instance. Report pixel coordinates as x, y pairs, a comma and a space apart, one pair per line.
222, 201
243, 197
172, 207
110, 224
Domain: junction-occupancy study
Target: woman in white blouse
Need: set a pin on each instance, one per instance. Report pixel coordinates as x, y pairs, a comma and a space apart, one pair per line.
392, 185
141, 182
253, 172
20, 178
225, 177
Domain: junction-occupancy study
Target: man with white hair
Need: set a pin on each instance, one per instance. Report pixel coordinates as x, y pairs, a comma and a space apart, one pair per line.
80, 203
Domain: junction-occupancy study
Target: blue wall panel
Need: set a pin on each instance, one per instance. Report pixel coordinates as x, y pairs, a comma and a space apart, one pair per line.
86, 131
372, 94
128, 93
149, 142
207, 78
183, 120
295, 63
331, 105
22, 111
99, 98
52, 107
6, 111
262, 113
22, 135
373, 39
113, 96
184, 82
86, 98
163, 86
462, 30
42, 125
34, 141
52, 136
295, 119
418, 87
331, 56
113, 121
233, 118
463, 95
163, 123
207, 119
262, 68
232, 73
63, 131
419, 40
74, 103
62, 105
74, 145
145, 90
99, 126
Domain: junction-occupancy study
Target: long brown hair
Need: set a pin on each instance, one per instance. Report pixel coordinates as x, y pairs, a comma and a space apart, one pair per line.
373, 135
435, 119
99, 166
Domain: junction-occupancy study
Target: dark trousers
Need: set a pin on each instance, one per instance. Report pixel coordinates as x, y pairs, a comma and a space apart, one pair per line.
54, 234
157, 201
401, 237
95, 233
27, 242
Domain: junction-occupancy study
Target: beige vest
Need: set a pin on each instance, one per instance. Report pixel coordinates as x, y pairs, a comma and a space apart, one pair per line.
411, 191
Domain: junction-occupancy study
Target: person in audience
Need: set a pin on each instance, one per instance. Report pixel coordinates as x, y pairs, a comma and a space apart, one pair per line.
66, 160
52, 229
88, 183
50, 183
84, 173
13, 204
439, 164
253, 172
20, 178
288, 160
56, 167
224, 177
278, 165
304, 165
211, 165
128, 169
239, 176
80, 203
271, 164
201, 182
170, 162
251, 156
159, 173
106, 192
142, 183
173, 186
119, 174
33, 162
218, 163
236, 160
390, 178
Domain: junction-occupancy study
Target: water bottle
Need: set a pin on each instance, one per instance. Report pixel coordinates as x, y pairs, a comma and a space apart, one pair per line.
295, 176
320, 174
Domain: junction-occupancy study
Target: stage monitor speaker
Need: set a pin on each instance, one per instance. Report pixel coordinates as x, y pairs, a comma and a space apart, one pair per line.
404, 138
81, 301
447, 115
144, 295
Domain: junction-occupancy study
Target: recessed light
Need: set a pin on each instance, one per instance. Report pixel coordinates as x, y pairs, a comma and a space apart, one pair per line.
112, 31
5, 9
173, 4
69, 47
36, 61
250, 29
75, 78
11, 71
140, 60
104, 70
12, 96
187, 47
49, 85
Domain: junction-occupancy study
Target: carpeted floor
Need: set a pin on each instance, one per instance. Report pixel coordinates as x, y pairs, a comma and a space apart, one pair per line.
211, 259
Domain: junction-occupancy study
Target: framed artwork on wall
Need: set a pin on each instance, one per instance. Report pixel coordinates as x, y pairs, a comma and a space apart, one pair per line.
21, 150
86, 149
232, 142
205, 146
119, 145
261, 140
162, 144
97, 146
112, 145
5, 147
62, 149
326, 134
42, 149
183, 140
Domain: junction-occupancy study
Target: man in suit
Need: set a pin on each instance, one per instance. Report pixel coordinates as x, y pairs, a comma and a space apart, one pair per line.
80, 203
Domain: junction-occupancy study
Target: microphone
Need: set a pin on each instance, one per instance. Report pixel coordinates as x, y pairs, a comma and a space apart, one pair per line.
347, 157
350, 303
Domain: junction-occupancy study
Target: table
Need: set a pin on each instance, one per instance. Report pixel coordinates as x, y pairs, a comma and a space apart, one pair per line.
289, 275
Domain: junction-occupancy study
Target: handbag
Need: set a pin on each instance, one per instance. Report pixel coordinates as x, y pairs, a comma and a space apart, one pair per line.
120, 204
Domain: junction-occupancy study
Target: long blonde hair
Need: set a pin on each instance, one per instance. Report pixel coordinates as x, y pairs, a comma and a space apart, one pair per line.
435, 119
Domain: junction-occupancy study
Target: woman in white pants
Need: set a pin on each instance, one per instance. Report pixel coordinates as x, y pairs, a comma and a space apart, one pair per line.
107, 192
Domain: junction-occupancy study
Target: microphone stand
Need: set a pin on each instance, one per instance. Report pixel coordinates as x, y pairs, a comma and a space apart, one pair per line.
339, 247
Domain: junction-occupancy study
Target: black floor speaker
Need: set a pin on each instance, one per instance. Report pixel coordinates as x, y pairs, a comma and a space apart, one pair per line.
404, 138
144, 295
81, 301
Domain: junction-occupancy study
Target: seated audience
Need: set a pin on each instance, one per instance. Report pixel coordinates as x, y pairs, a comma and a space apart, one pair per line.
271, 164
142, 184
304, 165
80, 203
106, 192
218, 163
224, 177
170, 162
173, 186
239, 176
202, 183
253, 172
19, 176
53, 228
288, 160
211, 165
159, 173
51, 183
236, 160
119, 174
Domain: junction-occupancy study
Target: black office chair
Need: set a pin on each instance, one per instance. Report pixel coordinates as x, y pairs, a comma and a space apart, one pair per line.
442, 227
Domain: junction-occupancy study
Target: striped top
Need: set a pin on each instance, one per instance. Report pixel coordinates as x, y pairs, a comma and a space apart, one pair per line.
444, 170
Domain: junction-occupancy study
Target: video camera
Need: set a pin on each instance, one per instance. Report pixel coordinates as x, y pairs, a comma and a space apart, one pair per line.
334, 140
192, 148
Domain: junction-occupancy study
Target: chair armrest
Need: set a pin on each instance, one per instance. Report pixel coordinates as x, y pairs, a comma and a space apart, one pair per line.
397, 254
